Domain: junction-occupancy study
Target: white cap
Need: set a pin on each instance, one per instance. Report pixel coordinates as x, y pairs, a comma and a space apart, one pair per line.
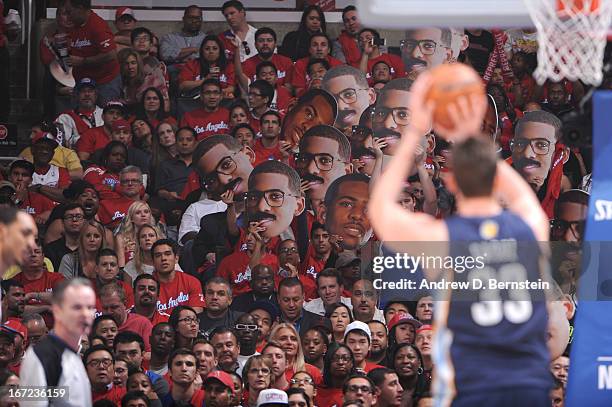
272, 396
358, 325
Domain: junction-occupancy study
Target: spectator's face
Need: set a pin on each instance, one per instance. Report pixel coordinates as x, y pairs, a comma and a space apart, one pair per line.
226, 169
291, 302
319, 47
125, 23
217, 394
139, 382
560, 369
391, 391
268, 74
73, 221
246, 330
267, 204
351, 21
205, 353
107, 268
395, 308
7, 349
297, 400
352, 99
265, 45
279, 360
113, 306
117, 159
556, 94
188, 324
185, 142
239, 115
183, 370
340, 319
329, 290
164, 259
211, 51
289, 341
360, 389
571, 219
131, 183
245, 137
257, 377
314, 346
100, 369
389, 126
77, 15
425, 309
404, 333
142, 43
136, 403
423, 342
42, 153
407, 201
146, 237
270, 126
262, 280
211, 97
533, 161
519, 63
263, 321
366, 37
192, 20
426, 49
406, 362
108, 330
347, 214
288, 253
167, 137
341, 363
306, 115
20, 177
92, 239
363, 299
381, 72
351, 272
110, 115
87, 97
379, 337
359, 345
217, 297
316, 169
122, 135
234, 17
15, 299
162, 339
320, 241
227, 348
130, 351
130, 66
256, 98
151, 102
313, 21
316, 72
36, 331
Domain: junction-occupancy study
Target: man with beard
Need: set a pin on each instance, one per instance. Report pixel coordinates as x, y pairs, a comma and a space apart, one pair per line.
37, 329
182, 370
205, 353
247, 331
426, 48
146, 294
227, 348
98, 137
359, 387
211, 118
7, 346
539, 157
323, 252
371, 54
345, 47
314, 107
162, 343
557, 102
218, 298
219, 389
179, 47
350, 88
291, 304
85, 116
262, 289
99, 362
73, 219
345, 210
380, 342
13, 300
389, 391
265, 43
329, 289
268, 147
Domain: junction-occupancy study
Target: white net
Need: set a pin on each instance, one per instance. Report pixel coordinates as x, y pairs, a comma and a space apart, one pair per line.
572, 38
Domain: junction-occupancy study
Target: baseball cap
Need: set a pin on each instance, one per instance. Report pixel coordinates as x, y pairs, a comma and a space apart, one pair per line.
50, 132
222, 377
85, 83
403, 318
114, 104
7, 184
124, 11
358, 326
7, 332
266, 306
272, 396
17, 327
424, 328
345, 259
120, 124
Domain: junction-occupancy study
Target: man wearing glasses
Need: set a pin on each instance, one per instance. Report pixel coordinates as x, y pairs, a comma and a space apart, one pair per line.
112, 211
426, 48
247, 331
179, 47
538, 157
211, 118
100, 364
72, 220
359, 387
350, 88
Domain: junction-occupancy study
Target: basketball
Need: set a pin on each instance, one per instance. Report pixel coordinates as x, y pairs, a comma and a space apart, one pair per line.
449, 83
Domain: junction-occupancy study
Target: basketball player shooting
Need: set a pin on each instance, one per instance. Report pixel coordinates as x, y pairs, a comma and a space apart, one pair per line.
487, 352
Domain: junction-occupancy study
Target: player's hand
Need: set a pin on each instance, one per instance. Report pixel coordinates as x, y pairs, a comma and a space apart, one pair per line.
466, 115
228, 197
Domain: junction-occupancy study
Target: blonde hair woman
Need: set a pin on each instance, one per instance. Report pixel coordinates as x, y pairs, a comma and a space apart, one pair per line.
287, 336
142, 262
138, 214
82, 262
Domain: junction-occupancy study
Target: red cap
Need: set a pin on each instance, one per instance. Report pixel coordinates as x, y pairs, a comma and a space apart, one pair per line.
120, 124
403, 318
424, 328
221, 376
47, 135
18, 327
124, 11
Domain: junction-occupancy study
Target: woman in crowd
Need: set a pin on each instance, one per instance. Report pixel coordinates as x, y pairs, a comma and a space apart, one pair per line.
257, 373
340, 316
138, 77
287, 336
339, 366
105, 177
303, 380
106, 328
137, 215
407, 362
185, 322
140, 381
296, 43
142, 132
239, 114
163, 147
142, 261
151, 107
82, 262
245, 134
211, 64
315, 343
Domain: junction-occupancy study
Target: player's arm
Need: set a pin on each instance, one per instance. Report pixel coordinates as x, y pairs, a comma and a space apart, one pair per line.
520, 199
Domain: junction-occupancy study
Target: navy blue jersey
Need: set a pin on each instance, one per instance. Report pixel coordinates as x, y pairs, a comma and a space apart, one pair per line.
496, 338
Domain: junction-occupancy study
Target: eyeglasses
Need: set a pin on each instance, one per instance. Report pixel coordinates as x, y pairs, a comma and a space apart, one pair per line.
401, 115
263, 370
540, 146
74, 217
189, 320
226, 166
306, 380
287, 250
246, 327
558, 228
247, 50
344, 358
427, 47
353, 388
323, 161
274, 197
348, 95
105, 363
366, 294
130, 181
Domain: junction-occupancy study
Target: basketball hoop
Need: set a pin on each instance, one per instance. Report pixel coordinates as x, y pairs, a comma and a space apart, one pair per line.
572, 38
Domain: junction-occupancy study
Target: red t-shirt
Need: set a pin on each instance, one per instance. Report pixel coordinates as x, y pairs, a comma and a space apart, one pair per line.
93, 38
190, 71
112, 211
93, 139
182, 290
207, 123
115, 394
104, 182
329, 397
300, 77
310, 265
371, 366
350, 48
235, 269
44, 283
139, 324
284, 67
395, 63
36, 204
283, 99
312, 371
264, 154
193, 184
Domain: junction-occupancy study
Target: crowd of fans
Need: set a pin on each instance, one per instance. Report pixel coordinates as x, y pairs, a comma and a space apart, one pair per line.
213, 187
